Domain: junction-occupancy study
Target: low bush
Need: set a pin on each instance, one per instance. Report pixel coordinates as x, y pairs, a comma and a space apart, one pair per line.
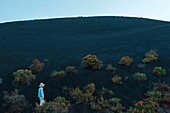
15, 103
125, 61
159, 71
84, 96
140, 76
36, 66
117, 79
71, 70
58, 74
90, 88
110, 105
165, 90
150, 56
24, 76
110, 69
92, 62
58, 105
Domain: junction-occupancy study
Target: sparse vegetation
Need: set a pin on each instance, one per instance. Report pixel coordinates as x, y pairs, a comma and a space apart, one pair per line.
148, 105
15, 103
58, 74
117, 79
58, 105
126, 61
114, 100
150, 56
159, 71
71, 70
111, 105
165, 91
92, 62
116, 38
140, 76
24, 77
84, 96
36, 66
110, 69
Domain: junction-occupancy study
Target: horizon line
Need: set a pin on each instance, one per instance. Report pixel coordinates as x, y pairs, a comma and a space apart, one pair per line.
79, 16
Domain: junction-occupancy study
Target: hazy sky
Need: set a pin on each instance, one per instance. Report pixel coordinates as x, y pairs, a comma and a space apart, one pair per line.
15, 10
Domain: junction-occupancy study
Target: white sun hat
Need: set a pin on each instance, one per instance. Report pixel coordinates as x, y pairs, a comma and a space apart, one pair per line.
41, 85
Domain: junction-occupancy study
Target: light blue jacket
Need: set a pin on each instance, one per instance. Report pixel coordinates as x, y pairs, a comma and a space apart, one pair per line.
40, 93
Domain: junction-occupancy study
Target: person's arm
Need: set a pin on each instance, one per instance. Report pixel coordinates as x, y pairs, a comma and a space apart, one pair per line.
42, 93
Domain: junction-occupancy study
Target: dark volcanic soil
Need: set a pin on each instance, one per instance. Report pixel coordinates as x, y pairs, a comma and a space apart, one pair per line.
66, 41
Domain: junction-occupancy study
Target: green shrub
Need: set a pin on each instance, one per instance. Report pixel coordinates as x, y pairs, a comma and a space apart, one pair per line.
117, 79
108, 105
84, 96
15, 103
36, 66
58, 105
159, 71
114, 100
104, 103
154, 95
146, 106
90, 88
110, 69
125, 61
117, 108
150, 56
165, 90
149, 59
95, 106
24, 76
91, 62
71, 70
140, 76
58, 74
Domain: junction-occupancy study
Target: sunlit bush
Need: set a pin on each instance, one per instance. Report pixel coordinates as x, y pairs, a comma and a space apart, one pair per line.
117, 79
150, 56
92, 62
159, 71
125, 61
24, 76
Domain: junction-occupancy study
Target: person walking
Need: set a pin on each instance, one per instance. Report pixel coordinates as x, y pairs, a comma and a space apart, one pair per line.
41, 93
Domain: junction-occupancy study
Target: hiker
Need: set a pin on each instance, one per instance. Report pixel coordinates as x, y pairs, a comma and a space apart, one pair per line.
41, 93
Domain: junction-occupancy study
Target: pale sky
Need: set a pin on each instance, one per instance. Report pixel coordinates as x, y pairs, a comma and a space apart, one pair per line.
16, 10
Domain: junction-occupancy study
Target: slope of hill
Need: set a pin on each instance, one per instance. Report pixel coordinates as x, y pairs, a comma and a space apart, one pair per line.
66, 41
